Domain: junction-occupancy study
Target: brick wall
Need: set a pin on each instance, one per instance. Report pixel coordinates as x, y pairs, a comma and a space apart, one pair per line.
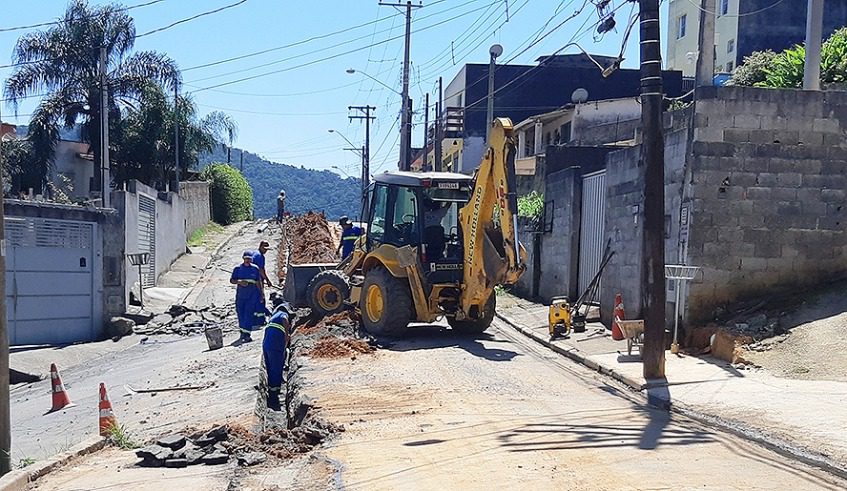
560, 247
768, 192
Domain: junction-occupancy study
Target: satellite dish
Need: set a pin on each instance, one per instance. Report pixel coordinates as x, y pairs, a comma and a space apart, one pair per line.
579, 96
495, 50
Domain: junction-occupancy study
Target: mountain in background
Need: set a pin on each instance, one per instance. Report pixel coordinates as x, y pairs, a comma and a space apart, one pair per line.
305, 189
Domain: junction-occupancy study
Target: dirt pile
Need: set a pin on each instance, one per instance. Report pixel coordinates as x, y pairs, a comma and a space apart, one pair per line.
332, 347
283, 443
311, 239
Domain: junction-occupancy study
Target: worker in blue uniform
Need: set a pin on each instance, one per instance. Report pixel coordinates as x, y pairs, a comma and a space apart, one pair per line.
349, 235
249, 296
275, 350
259, 261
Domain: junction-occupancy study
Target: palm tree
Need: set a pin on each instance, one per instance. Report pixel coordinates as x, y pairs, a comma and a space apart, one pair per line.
144, 138
63, 61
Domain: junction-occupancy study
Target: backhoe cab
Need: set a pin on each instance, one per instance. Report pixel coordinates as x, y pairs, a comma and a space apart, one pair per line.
436, 244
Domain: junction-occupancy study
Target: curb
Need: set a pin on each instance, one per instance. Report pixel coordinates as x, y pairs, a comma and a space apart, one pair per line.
578, 356
749, 433
19, 480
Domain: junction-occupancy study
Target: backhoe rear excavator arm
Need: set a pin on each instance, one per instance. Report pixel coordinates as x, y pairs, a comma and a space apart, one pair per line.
493, 254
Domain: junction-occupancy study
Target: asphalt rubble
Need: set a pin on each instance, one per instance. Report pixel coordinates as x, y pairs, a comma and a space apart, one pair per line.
178, 319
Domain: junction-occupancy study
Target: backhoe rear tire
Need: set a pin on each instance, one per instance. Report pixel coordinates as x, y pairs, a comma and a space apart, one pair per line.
386, 303
327, 292
478, 326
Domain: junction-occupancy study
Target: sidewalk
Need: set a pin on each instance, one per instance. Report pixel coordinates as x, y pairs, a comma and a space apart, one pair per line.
809, 416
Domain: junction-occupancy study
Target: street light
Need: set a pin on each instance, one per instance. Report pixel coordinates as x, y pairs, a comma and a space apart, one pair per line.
339, 169
405, 119
380, 82
495, 51
345, 139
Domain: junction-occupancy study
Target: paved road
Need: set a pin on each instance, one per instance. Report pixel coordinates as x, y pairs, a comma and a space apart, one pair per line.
162, 361
439, 412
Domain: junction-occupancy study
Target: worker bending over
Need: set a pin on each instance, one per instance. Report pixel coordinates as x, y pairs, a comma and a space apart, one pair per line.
275, 350
249, 296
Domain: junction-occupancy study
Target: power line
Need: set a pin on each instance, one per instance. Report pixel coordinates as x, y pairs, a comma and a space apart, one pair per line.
326, 58
193, 17
57, 22
745, 14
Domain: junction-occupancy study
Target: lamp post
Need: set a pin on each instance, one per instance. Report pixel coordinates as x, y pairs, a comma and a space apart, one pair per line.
495, 51
139, 259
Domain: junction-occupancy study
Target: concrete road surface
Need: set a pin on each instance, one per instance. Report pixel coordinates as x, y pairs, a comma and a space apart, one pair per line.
438, 412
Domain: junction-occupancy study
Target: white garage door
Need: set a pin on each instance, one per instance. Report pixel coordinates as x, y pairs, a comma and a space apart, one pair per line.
591, 227
49, 281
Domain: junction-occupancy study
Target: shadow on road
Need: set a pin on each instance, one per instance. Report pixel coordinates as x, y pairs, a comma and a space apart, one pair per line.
434, 337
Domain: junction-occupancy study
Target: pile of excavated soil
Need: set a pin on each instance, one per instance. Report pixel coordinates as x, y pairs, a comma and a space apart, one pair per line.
312, 240
333, 347
283, 443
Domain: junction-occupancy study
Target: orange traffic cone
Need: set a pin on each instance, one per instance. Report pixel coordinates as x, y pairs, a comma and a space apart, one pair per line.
107, 416
617, 334
60, 395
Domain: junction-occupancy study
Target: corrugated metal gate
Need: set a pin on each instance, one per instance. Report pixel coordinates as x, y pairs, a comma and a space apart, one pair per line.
50, 290
591, 227
147, 238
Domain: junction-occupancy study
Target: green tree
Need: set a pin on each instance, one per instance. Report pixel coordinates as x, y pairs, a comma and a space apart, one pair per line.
63, 61
753, 69
144, 137
785, 69
232, 196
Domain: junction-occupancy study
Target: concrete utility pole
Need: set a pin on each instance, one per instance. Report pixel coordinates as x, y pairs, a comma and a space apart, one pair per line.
706, 60
406, 114
5, 414
366, 150
104, 130
814, 35
653, 159
439, 122
426, 132
176, 134
495, 51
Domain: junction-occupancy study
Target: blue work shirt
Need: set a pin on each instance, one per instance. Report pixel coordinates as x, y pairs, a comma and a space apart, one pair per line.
259, 260
348, 240
250, 273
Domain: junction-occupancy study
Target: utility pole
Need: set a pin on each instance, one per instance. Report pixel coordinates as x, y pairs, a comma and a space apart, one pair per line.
439, 127
426, 133
495, 51
176, 134
5, 413
104, 131
366, 151
653, 159
814, 35
706, 60
406, 114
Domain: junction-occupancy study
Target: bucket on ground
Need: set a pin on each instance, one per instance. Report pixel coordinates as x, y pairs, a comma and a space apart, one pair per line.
215, 337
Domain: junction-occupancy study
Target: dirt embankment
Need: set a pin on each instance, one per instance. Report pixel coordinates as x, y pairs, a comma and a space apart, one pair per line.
312, 239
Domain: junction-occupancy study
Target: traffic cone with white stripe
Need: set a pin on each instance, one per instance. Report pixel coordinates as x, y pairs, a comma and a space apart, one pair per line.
61, 399
107, 416
617, 334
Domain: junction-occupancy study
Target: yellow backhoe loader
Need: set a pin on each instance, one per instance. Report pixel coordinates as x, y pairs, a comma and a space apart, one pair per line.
436, 244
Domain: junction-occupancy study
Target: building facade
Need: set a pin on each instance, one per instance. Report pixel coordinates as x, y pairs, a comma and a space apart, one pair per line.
522, 91
742, 27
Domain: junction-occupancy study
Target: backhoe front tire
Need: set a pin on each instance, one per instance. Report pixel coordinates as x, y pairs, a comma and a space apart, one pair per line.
327, 292
386, 303
478, 326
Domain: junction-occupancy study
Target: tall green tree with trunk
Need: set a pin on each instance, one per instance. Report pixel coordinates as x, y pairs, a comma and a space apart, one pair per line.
64, 60
144, 137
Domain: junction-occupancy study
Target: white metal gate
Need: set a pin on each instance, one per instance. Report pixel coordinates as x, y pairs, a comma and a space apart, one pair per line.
50, 290
591, 227
147, 238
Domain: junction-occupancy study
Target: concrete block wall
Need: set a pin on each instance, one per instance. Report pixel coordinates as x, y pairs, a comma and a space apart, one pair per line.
195, 195
527, 235
560, 248
769, 178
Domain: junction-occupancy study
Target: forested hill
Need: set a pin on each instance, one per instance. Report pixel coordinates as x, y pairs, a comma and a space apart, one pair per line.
305, 189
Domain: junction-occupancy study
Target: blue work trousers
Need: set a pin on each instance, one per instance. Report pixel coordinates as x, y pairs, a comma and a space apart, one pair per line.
274, 349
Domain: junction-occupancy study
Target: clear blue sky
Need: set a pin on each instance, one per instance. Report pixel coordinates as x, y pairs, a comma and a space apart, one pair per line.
285, 116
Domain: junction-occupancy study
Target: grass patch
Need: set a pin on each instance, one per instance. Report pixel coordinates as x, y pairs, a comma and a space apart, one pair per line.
120, 437
28, 461
201, 236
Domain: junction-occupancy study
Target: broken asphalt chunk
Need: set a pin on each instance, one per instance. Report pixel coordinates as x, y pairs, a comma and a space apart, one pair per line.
173, 442
154, 453
176, 463
252, 458
215, 458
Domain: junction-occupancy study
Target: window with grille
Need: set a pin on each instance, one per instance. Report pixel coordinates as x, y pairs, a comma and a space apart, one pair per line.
680, 26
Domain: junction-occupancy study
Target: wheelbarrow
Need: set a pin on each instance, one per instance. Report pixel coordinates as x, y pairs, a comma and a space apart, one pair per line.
633, 332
